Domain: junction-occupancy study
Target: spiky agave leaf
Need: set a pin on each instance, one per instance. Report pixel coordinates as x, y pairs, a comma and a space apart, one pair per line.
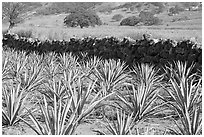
122, 126
6, 67
140, 101
32, 77
111, 75
85, 100
185, 99
55, 118
89, 65
143, 94
147, 74
68, 61
64, 114
14, 98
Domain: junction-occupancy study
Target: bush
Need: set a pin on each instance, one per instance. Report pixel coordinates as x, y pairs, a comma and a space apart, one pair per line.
130, 21
152, 21
148, 18
25, 33
175, 10
82, 18
117, 17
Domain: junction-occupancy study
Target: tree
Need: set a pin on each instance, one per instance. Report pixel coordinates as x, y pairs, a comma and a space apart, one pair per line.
149, 19
82, 18
130, 21
12, 11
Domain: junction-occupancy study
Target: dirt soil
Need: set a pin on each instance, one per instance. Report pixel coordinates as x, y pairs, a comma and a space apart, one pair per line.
151, 127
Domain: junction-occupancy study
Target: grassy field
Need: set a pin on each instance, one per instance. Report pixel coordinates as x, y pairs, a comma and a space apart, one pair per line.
185, 25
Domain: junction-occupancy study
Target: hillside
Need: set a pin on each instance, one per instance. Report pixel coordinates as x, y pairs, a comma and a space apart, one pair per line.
45, 19
47, 8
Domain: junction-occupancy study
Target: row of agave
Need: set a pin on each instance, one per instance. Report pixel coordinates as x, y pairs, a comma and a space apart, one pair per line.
54, 94
130, 51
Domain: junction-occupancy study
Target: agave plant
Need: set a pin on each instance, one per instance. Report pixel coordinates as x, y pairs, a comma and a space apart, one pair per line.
54, 87
19, 62
51, 67
111, 75
6, 67
186, 99
13, 101
140, 98
124, 124
147, 74
85, 100
90, 64
68, 61
64, 114
32, 77
55, 119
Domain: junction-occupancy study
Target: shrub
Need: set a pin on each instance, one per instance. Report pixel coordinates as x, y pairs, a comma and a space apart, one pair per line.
148, 18
130, 21
153, 21
24, 33
175, 10
82, 18
117, 17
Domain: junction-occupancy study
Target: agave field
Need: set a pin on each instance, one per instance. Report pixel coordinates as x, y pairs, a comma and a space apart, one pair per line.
53, 92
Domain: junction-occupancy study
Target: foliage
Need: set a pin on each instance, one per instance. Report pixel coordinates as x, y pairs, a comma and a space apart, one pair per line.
21, 76
63, 118
117, 17
124, 124
82, 18
73, 87
111, 75
15, 12
25, 33
175, 10
186, 99
130, 21
67, 101
140, 99
12, 11
13, 100
129, 51
148, 18
55, 119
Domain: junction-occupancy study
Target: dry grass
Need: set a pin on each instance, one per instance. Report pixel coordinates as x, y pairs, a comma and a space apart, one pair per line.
51, 26
117, 31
